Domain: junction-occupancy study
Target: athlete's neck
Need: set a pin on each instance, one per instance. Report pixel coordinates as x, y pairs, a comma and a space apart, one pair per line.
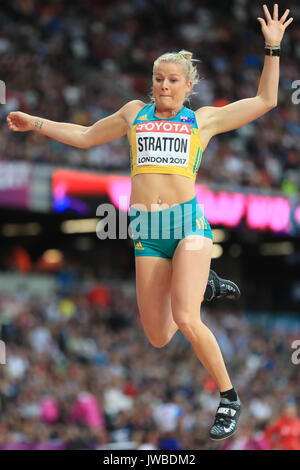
167, 113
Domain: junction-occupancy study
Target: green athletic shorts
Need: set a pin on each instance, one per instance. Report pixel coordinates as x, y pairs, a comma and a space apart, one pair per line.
157, 233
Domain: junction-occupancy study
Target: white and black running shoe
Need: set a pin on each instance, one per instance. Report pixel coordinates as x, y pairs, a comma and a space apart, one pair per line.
218, 288
226, 419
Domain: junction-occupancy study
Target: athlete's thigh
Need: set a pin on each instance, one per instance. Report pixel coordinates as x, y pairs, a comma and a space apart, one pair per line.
191, 264
153, 288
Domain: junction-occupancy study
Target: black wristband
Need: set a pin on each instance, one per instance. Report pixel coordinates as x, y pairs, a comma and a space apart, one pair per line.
272, 52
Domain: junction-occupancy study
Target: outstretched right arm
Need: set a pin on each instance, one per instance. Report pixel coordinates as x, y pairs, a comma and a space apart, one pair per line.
102, 131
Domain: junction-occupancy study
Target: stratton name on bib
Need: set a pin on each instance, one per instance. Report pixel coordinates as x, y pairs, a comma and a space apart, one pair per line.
162, 144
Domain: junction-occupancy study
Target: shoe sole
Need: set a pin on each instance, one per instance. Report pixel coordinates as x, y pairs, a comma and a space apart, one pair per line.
222, 438
235, 296
232, 284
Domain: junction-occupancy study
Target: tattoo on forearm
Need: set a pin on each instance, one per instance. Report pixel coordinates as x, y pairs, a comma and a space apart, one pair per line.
38, 124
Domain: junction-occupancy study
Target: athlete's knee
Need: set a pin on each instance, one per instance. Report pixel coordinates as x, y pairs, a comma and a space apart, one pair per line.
159, 340
187, 323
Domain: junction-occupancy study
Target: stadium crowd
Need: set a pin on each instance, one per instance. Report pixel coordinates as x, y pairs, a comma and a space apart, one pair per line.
81, 61
80, 374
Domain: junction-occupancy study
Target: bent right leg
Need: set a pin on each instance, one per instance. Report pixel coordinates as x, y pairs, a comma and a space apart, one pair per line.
153, 290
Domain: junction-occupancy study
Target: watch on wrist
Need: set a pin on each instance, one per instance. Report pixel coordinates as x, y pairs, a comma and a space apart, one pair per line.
272, 52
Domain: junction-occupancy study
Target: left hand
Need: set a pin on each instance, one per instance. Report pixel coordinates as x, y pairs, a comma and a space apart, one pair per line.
274, 30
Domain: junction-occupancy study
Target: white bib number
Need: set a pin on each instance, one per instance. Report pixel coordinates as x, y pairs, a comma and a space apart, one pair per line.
163, 143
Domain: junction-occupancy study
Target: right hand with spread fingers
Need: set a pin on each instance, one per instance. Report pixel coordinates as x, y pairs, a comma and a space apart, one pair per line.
19, 122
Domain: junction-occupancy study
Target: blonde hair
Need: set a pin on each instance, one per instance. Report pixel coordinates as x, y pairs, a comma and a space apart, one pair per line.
185, 60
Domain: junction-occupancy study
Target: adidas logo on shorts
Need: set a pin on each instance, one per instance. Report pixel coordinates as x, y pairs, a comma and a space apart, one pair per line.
139, 246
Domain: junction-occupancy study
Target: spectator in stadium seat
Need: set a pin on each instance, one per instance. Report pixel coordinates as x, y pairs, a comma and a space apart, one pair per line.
284, 433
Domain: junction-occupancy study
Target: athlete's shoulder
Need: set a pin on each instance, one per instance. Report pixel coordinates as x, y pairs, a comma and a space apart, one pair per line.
134, 105
131, 109
137, 103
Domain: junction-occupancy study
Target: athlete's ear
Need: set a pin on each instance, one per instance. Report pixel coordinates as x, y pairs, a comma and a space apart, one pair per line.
189, 85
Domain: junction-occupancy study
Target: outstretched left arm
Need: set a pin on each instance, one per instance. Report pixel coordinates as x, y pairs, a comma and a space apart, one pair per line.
217, 120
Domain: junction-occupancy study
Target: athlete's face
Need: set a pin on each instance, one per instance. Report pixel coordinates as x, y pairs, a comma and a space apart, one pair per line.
170, 85
290, 411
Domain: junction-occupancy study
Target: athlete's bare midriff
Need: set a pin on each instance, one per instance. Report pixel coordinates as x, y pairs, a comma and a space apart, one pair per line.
153, 190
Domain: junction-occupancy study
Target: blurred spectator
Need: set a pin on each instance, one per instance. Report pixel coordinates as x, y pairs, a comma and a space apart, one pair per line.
247, 439
166, 415
284, 433
86, 410
50, 409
